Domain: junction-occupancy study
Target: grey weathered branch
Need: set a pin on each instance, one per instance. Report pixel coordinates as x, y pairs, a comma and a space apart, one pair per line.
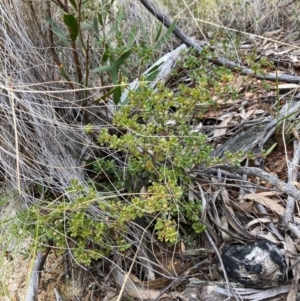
286, 188
33, 288
292, 176
219, 60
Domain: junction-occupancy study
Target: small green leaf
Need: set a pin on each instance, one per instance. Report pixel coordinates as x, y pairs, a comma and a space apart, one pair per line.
132, 37
72, 24
100, 19
270, 149
164, 38
158, 33
73, 3
117, 95
96, 29
58, 32
115, 65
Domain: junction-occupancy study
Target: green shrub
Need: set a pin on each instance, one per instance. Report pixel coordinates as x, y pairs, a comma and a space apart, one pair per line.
158, 143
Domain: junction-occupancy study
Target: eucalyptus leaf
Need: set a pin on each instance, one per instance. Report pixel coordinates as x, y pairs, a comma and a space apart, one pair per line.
165, 36
72, 24
58, 32
121, 60
96, 29
102, 69
270, 149
132, 37
100, 19
73, 3
153, 72
144, 32
117, 95
151, 76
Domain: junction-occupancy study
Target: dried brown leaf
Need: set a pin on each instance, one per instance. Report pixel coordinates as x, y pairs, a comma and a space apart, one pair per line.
258, 221
269, 203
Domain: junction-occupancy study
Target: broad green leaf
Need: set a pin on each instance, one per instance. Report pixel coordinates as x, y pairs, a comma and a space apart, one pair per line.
58, 32
72, 24
117, 95
164, 37
73, 3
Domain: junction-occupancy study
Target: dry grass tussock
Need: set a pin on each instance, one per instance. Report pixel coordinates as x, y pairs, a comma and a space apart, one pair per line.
42, 136
252, 16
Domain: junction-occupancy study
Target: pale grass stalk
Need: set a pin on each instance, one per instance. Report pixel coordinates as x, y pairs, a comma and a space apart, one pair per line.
16, 141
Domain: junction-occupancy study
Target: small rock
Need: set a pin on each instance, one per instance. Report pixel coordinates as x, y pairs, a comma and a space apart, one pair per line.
256, 265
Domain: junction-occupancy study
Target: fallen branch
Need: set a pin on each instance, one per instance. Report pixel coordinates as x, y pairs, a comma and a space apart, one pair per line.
220, 60
286, 188
33, 288
292, 177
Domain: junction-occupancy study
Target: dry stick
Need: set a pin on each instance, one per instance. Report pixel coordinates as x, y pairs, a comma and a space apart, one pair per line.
287, 188
32, 291
292, 176
167, 22
221, 263
131, 266
220, 60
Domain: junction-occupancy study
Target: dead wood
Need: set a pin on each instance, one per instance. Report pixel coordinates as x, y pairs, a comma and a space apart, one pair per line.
219, 60
32, 291
286, 188
203, 290
293, 174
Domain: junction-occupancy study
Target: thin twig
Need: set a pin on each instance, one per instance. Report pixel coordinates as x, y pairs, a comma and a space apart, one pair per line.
292, 176
131, 266
221, 263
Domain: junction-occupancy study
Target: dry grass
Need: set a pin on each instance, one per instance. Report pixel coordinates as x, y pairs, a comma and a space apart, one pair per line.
254, 16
